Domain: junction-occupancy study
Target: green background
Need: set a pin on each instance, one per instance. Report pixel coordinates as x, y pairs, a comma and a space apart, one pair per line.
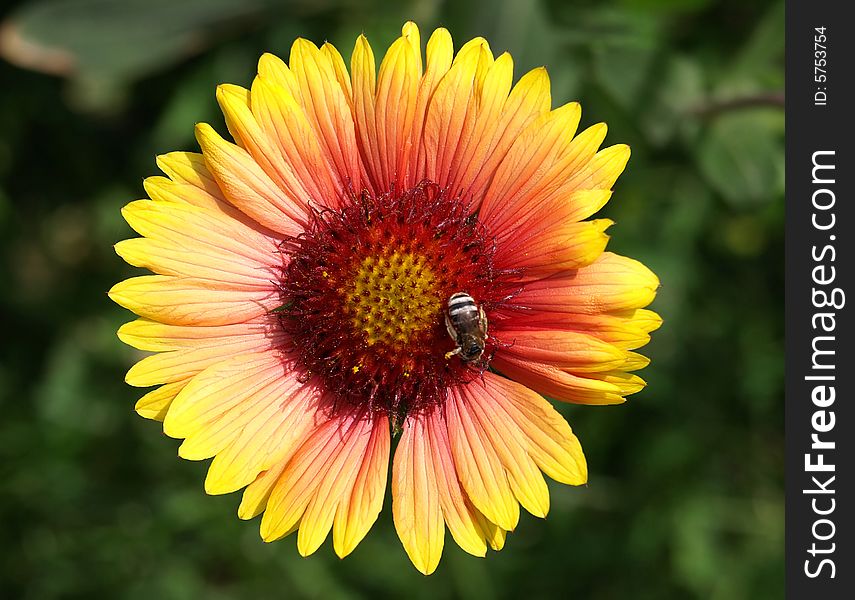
685, 498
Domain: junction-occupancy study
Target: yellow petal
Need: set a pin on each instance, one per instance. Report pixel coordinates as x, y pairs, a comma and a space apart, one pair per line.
161, 189
178, 365
214, 406
156, 403
410, 32
255, 496
204, 263
603, 170
235, 104
415, 502
451, 113
189, 168
584, 203
264, 441
273, 68
191, 301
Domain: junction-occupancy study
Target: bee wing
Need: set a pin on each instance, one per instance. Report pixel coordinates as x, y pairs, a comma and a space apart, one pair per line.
451, 331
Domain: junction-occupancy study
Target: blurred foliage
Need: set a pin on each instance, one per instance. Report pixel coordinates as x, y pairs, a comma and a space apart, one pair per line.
686, 491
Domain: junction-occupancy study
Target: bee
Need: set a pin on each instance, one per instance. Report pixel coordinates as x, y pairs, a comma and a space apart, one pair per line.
467, 325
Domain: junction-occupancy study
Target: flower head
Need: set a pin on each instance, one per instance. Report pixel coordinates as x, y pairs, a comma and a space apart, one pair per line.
378, 255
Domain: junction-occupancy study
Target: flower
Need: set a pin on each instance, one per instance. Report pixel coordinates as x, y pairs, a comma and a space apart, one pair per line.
299, 314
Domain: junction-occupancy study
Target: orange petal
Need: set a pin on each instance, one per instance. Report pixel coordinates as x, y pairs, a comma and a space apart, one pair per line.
552, 244
364, 81
561, 385
327, 109
341, 74
451, 113
284, 121
479, 467
397, 87
566, 350
611, 283
463, 519
527, 180
626, 330
439, 52
358, 511
549, 439
539, 162
499, 430
474, 150
321, 474
529, 99
247, 186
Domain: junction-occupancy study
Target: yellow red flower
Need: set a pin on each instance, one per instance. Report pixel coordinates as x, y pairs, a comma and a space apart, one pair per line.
299, 316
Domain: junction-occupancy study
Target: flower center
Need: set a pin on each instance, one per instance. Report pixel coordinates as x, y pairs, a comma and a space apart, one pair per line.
365, 290
393, 298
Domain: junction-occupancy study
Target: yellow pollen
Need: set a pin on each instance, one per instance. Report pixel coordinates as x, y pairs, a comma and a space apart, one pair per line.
392, 297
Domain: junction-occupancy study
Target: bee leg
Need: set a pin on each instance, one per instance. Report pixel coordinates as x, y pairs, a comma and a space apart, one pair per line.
452, 353
482, 320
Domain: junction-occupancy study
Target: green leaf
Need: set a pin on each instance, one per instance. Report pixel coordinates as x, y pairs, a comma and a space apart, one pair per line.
103, 44
740, 154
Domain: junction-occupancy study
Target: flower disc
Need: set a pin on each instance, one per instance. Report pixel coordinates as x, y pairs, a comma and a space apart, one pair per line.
365, 289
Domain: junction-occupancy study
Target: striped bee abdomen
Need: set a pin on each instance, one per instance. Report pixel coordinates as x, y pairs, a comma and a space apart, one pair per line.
461, 306
467, 326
